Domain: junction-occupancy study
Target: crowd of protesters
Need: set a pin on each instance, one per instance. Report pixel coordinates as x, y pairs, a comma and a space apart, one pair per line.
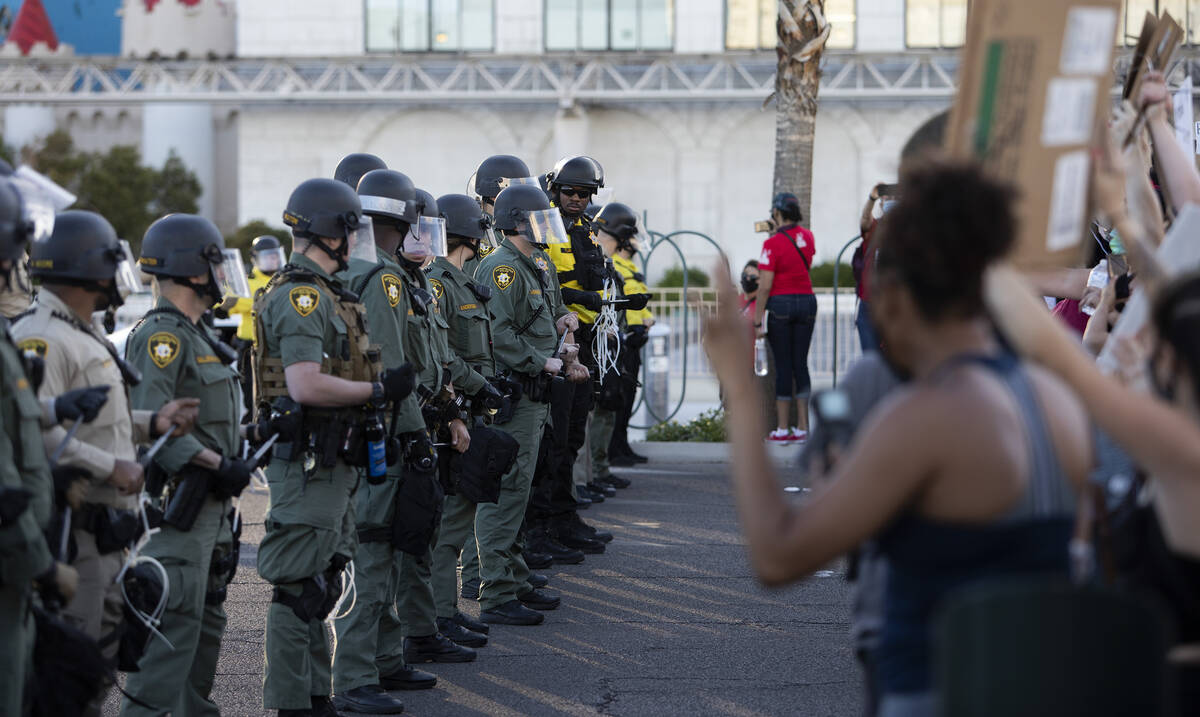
995, 453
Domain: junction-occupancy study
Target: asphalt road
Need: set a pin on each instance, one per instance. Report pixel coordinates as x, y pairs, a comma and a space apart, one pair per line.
668, 621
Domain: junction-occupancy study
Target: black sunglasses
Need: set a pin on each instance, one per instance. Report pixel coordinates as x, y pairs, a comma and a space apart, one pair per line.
577, 193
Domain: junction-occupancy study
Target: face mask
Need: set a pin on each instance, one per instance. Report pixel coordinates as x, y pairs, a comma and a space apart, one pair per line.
749, 284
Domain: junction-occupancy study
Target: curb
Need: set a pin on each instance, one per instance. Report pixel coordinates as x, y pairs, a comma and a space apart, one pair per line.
696, 452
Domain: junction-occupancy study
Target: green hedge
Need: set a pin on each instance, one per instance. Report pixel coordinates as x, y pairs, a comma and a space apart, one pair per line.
708, 427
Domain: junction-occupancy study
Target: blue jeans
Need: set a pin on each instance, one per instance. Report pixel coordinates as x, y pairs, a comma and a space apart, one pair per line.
866, 330
789, 331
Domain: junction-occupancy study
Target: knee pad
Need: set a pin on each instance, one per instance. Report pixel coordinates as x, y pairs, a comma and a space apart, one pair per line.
312, 603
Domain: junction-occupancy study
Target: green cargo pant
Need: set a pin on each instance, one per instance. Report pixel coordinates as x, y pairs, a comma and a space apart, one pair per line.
307, 523
497, 525
212, 627
412, 613
16, 650
599, 436
166, 674
456, 536
376, 578
469, 560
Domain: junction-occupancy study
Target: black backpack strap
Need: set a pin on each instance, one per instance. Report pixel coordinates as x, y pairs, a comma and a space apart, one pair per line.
362, 285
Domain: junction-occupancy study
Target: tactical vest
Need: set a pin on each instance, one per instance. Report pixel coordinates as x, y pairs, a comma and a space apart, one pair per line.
589, 265
361, 361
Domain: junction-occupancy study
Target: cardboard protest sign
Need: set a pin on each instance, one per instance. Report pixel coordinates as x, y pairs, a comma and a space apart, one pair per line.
1034, 88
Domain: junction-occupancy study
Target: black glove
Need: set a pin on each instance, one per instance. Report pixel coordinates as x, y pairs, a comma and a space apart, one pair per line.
286, 419
398, 383
82, 403
589, 300
232, 477
488, 398
637, 302
13, 502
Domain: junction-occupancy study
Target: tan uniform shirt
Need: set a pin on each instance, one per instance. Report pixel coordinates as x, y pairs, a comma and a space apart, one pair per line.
76, 357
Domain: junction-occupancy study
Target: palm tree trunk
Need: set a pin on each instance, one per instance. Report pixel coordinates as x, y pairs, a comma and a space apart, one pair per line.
802, 31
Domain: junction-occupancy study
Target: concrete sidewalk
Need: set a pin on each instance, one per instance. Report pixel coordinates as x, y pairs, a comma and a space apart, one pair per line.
668, 621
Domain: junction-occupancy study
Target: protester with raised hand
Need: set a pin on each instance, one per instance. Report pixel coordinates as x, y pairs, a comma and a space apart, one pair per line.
1176, 166
995, 501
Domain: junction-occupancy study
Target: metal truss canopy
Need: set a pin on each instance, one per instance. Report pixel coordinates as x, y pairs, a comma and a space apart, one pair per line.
422, 79
611, 78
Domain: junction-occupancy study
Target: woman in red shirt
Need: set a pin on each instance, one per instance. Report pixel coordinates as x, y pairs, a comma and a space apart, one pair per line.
785, 295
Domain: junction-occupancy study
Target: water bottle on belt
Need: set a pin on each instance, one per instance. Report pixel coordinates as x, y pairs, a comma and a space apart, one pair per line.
376, 451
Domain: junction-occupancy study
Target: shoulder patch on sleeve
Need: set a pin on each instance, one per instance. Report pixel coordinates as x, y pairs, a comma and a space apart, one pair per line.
485, 249
163, 348
391, 288
503, 276
438, 289
304, 299
34, 346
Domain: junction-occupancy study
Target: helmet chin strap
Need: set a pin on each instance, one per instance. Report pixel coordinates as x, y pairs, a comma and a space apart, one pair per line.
338, 256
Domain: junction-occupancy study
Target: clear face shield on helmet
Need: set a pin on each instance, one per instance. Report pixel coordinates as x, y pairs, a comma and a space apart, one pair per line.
270, 261
426, 238
41, 199
361, 241
127, 279
230, 274
545, 227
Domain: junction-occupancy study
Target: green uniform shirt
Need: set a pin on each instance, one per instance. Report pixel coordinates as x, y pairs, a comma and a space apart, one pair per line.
299, 323
425, 336
525, 306
23, 550
177, 361
470, 334
381, 290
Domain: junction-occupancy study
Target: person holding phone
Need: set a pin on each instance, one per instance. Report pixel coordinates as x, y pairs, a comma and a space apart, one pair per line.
785, 291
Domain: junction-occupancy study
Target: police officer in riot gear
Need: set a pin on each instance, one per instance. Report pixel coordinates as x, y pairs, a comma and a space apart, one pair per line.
465, 307
353, 166
313, 350
581, 270
427, 347
26, 487
84, 269
178, 355
360, 677
528, 318
616, 228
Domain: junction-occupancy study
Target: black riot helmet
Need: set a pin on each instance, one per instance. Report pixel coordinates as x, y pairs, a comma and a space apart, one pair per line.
326, 208
269, 256
494, 169
465, 221
618, 220
84, 250
576, 171
14, 229
180, 246
426, 204
353, 166
388, 195
513, 202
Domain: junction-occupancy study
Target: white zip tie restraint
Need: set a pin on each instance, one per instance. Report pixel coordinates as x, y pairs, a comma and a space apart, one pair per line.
607, 324
349, 590
153, 619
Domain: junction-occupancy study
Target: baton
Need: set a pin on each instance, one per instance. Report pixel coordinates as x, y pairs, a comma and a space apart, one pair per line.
561, 342
154, 449
263, 449
63, 542
63, 446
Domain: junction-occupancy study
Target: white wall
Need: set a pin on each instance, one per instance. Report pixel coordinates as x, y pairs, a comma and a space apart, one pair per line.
299, 28
172, 28
689, 166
